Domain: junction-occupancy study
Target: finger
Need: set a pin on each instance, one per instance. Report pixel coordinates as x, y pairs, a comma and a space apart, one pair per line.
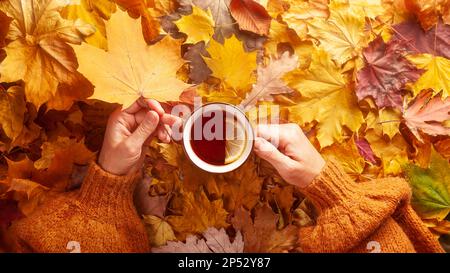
145, 129
152, 105
268, 152
170, 119
269, 132
133, 108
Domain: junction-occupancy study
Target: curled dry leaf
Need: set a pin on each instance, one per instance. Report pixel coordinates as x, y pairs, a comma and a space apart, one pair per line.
426, 114
214, 241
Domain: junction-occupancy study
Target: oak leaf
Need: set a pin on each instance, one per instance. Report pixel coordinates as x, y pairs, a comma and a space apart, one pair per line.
250, 16
385, 74
326, 98
231, 64
198, 26
427, 113
214, 241
261, 234
131, 68
39, 46
436, 76
269, 80
431, 188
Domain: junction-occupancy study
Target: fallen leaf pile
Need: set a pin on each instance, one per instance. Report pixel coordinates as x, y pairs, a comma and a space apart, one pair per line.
367, 80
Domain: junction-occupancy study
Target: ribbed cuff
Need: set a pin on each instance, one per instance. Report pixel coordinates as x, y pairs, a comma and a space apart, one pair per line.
331, 187
105, 189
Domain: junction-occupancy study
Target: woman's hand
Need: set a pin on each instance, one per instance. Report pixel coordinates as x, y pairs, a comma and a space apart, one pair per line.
296, 159
128, 130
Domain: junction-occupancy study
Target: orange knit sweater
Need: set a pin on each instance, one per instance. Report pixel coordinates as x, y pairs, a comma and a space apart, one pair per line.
352, 217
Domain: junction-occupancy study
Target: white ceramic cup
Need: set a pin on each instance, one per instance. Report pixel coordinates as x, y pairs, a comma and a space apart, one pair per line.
231, 111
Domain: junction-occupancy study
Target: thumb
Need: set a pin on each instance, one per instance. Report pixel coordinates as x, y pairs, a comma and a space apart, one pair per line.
145, 129
271, 154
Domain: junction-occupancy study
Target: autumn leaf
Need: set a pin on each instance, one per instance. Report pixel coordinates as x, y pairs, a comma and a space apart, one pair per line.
4, 26
131, 68
198, 71
151, 27
12, 111
28, 193
299, 11
349, 156
427, 114
326, 98
365, 150
428, 12
264, 225
431, 190
435, 41
39, 46
385, 74
342, 34
231, 64
269, 80
93, 12
198, 26
205, 212
214, 241
158, 230
250, 16
224, 23
436, 76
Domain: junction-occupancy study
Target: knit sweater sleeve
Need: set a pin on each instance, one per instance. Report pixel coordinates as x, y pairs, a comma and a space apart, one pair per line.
350, 212
100, 217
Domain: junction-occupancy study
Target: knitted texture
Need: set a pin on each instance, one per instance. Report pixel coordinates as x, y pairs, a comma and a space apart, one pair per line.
353, 217
100, 217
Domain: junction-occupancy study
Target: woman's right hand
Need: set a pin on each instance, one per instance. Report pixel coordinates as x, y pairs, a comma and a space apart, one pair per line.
295, 158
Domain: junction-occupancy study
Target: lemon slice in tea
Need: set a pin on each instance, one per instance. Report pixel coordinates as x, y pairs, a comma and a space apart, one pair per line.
235, 141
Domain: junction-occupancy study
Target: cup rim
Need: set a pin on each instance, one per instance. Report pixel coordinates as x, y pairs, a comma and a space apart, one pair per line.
197, 161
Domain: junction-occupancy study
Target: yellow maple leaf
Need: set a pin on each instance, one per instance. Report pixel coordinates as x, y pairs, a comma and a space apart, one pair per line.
348, 156
198, 26
12, 111
326, 98
301, 10
197, 213
131, 68
436, 76
92, 12
387, 121
159, 231
342, 34
39, 54
231, 64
